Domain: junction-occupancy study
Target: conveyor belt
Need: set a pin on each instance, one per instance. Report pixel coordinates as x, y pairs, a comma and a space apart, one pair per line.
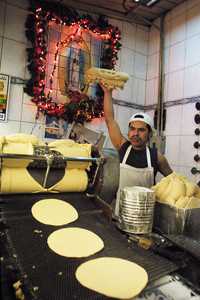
188, 244
48, 276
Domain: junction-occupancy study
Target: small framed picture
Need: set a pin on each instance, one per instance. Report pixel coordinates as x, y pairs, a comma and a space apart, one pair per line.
56, 128
82, 135
4, 96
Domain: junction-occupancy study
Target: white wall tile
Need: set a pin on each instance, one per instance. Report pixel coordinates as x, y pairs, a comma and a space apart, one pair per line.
173, 120
154, 41
134, 89
123, 114
187, 151
191, 81
186, 171
140, 85
140, 66
27, 99
129, 35
116, 94
127, 61
33, 128
176, 168
153, 66
165, 87
192, 51
14, 23
141, 41
177, 57
175, 85
29, 113
13, 58
166, 60
178, 31
2, 13
151, 91
172, 151
15, 102
187, 122
126, 93
193, 21
9, 127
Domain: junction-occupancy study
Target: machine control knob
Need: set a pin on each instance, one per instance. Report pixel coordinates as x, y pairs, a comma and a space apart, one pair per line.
197, 131
196, 157
194, 171
197, 119
196, 144
197, 105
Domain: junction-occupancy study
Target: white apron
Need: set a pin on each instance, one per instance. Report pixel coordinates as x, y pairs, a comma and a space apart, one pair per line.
131, 176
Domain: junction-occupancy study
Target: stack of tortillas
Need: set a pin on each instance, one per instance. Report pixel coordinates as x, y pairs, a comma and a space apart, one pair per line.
109, 78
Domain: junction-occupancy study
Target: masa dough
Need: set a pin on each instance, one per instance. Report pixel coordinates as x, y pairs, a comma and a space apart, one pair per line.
69, 148
110, 78
23, 138
113, 277
17, 148
74, 242
74, 180
18, 180
54, 212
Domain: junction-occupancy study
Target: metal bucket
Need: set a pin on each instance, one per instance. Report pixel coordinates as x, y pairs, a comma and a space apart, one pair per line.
136, 209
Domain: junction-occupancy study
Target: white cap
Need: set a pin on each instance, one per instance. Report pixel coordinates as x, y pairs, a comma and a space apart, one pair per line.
140, 116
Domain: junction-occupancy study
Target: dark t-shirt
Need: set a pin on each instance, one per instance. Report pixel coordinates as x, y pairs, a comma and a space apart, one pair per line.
138, 158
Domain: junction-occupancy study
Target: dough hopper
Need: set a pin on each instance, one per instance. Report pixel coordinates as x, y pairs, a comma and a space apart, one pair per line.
47, 166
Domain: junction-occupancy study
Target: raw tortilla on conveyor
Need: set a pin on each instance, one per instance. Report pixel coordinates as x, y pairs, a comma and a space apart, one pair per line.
54, 212
74, 242
113, 277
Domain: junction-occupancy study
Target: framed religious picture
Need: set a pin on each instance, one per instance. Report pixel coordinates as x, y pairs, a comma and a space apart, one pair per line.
4, 93
64, 46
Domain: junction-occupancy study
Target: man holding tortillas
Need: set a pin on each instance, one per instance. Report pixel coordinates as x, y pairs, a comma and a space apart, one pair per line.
138, 162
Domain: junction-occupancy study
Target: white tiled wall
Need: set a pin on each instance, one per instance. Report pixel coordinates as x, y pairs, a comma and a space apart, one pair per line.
182, 77
13, 43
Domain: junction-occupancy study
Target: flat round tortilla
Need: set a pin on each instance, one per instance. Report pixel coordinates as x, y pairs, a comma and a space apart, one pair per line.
74, 242
54, 212
113, 277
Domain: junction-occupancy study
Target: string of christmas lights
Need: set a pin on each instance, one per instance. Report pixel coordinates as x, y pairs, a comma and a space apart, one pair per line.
81, 107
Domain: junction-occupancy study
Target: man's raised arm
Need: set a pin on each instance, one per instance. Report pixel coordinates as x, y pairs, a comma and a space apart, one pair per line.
115, 134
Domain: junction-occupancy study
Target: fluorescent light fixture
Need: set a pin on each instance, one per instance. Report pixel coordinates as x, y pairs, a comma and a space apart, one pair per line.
151, 2
146, 2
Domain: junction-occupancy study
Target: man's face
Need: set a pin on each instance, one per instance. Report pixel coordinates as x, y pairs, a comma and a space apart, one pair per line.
138, 134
